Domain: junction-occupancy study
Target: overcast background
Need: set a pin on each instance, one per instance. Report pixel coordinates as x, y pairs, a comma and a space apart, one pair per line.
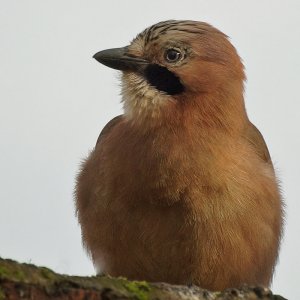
55, 99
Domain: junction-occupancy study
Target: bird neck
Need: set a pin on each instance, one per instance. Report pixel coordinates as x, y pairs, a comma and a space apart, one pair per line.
222, 110
206, 115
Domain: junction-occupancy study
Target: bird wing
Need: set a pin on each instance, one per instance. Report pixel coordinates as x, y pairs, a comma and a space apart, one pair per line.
108, 127
255, 138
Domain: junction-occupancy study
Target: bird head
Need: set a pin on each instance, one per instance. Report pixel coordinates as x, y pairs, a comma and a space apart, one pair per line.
178, 68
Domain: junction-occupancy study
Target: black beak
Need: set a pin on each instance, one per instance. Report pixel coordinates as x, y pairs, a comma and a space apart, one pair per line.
119, 59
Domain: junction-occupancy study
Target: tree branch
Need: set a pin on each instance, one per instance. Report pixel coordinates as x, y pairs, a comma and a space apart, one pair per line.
26, 281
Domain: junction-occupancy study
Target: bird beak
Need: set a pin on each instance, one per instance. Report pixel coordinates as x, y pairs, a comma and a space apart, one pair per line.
119, 59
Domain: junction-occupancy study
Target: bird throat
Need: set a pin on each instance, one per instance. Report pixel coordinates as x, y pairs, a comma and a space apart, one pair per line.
163, 79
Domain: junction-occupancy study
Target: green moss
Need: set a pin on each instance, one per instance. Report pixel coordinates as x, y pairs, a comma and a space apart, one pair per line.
2, 295
140, 289
47, 273
4, 272
17, 275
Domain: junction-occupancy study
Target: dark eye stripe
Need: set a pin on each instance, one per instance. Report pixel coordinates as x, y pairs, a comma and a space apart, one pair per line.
163, 79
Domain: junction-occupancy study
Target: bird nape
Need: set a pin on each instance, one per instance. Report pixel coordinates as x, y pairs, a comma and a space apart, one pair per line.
181, 188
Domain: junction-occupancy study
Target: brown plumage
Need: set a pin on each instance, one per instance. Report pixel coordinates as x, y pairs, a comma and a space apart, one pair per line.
181, 187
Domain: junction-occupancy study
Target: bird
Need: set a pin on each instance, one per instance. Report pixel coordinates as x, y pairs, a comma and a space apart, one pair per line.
181, 188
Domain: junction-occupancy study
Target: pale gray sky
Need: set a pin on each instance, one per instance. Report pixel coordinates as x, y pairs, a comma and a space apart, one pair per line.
55, 99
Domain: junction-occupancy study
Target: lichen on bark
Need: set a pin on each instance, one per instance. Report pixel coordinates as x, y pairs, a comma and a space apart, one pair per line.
26, 281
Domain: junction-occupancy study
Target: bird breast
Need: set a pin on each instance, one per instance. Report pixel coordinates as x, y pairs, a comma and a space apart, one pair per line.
145, 191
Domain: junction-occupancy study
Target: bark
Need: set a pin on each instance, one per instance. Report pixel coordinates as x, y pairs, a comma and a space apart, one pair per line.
26, 281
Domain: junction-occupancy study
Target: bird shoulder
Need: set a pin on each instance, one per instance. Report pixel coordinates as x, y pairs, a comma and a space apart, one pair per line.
255, 138
108, 127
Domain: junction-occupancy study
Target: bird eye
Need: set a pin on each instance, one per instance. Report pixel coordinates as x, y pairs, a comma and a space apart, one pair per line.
173, 55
